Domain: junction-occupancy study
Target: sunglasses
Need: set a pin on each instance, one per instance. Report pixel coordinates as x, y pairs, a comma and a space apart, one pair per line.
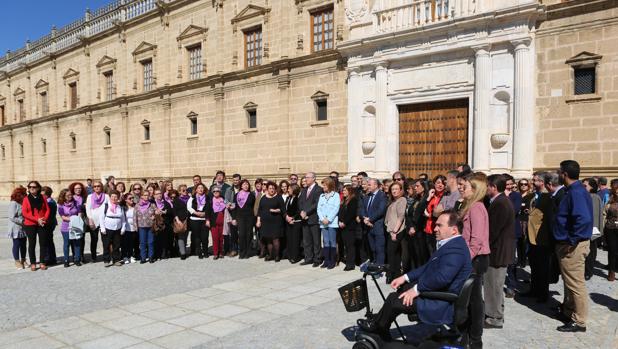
522, 184
97, 186
137, 188
33, 187
399, 179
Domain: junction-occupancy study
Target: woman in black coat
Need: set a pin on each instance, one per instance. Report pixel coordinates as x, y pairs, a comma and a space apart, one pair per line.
244, 217
349, 224
293, 233
415, 223
180, 215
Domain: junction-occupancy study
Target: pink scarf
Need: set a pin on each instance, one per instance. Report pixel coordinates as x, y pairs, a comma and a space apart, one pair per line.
218, 204
112, 207
97, 200
242, 197
160, 204
167, 198
143, 205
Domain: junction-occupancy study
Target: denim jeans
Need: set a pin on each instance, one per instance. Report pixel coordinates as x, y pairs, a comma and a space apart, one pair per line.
19, 246
329, 237
146, 240
77, 248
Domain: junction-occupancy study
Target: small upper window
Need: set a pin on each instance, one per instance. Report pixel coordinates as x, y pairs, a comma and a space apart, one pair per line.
73, 141
322, 110
146, 125
108, 135
585, 80
252, 114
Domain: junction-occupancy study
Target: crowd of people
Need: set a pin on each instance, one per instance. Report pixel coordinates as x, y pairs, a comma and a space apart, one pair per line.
554, 222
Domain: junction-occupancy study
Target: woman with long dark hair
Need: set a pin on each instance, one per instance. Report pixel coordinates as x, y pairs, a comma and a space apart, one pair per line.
198, 207
68, 207
348, 223
16, 226
36, 214
433, 199
242, 213
611, 230
270, 221
293, 232
415, 223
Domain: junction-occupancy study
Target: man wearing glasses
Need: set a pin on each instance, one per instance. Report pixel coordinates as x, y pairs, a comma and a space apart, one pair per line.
308, 204
293, 178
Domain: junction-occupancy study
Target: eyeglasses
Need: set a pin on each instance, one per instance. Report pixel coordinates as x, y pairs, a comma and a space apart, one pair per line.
399, 179
294, 179
137, 188
97, 186
522, 184
33, 187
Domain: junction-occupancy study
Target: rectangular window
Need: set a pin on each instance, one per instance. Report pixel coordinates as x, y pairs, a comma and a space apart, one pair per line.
44, 146
253, 47
2, 116
147, 132
44, 103
147, 70
73, 141
21, 149
108, 136
73, 95
585, 80
193, 126
322, 30
109, 86
3, 153
252, 115
322, 110
195, 62
22, 110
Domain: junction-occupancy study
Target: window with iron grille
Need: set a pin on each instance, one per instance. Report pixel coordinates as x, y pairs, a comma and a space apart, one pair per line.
44, 103
147, 72
22, 110
322, 30
253, 47
252, 118
321, 110
585, 80
73, 95
109, 85
195, 62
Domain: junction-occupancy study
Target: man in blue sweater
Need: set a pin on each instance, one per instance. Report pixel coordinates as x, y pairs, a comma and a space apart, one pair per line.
572, 231
447, 270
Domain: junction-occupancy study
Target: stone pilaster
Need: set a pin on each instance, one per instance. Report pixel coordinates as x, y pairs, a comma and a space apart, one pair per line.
167, 127
523, 127
482, 86
381, 151
355, 125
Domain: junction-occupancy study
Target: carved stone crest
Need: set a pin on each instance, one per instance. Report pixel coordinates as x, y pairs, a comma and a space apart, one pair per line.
355, 10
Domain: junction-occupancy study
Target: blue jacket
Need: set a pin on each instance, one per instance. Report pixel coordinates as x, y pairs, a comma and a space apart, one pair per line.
377, 210
447, 270
329, 209
573, 222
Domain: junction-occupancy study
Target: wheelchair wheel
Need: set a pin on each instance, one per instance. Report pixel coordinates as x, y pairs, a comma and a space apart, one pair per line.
364, 344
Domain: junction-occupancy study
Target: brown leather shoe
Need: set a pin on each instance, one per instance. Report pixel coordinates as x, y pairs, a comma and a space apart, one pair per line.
611, 276
33, 266
43, 266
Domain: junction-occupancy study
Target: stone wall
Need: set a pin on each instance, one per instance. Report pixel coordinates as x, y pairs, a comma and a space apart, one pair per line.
287, 139
582, 127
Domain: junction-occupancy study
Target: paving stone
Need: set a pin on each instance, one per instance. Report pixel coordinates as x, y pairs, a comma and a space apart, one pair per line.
285, 308
205, 292
145, 345
154, 330
226, 310
115, 340
255, 302
83, 334
220, 328
177, 298
199, 304
183, 339
128, 322
227, 297
256, 317
193, 320
143, 306
105, 315
20, 335
166, 313
62, 325
282, 295
36, 343
309, 300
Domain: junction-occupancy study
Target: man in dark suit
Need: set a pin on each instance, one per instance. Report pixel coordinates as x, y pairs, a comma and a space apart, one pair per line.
447, 270
502, 247
373, 211
308, 205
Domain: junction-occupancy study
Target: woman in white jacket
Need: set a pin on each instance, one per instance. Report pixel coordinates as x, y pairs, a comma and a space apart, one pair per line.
95, 203
112, 221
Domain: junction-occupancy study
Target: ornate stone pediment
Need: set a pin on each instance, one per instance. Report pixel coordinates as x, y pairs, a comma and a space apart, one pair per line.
250, 106
319, 95
41, 83
192, 115
584, 58
249, 12
70, 73
191, 31
105, 61
143, 48
18, 92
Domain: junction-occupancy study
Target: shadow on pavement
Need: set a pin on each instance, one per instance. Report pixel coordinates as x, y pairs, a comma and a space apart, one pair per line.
605, 300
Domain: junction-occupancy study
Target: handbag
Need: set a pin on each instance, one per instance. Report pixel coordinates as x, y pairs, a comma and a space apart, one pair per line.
179, 226
158, 224
254, 241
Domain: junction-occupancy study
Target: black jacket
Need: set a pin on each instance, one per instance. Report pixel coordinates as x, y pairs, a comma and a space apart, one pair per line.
310, 204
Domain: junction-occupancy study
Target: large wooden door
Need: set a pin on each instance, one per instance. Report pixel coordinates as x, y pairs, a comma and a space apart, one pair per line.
433, 137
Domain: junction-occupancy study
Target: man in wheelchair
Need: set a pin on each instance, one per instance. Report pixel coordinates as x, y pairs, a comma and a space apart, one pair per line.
447, 270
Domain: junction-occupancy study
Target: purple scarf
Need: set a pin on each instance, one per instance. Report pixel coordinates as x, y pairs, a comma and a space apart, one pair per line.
143, 205
78, 200
97, 200
168, 199
184, 198
242, 197
218, 204
160, 204
201, 200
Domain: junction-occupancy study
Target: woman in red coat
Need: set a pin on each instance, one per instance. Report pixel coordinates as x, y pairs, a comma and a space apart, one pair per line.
435, 194
36, 215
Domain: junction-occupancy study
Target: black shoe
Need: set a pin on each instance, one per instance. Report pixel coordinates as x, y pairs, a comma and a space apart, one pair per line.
79, 264
543, 299
183, 257
152, 261
277, 259
508, 293
305, 263
66, 264
201, 256
142, 262
348, 268
587, 277
527, 295
294, 261
324, 264
94, 259
315, 264
367, 325
488, 325
571, 327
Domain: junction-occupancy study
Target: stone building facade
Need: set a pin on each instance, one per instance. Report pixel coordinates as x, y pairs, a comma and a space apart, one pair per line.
577, 78
146, 88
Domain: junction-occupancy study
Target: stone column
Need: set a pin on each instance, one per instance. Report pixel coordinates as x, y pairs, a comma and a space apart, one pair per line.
482, 86
126, 171
89, 120
381, 151
523, 126
167, 146
283, 83
31, 142
58, 163
355, 134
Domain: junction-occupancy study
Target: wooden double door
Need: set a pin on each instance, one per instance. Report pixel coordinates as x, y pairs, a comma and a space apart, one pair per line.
433, 137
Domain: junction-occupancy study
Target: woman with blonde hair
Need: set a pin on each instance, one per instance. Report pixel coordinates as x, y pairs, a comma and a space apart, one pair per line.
476, 234
16, 226
328, 212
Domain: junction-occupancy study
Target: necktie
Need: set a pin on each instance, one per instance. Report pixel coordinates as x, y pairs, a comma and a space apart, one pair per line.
370, 201
308, 192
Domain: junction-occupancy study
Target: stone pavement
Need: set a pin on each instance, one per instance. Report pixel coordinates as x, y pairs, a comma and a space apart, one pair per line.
232, 303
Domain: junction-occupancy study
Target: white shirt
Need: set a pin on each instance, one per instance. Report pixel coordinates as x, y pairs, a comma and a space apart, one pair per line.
94, 214
129, 224
112, 220
192, 211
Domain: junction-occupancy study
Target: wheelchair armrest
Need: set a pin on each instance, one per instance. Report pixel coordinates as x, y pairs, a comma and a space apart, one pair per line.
442, 296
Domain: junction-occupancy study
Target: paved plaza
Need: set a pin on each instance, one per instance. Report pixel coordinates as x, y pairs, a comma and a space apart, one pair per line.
233, 303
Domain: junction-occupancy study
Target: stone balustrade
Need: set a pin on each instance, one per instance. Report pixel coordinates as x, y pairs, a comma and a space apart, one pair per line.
91, 24
417, 13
